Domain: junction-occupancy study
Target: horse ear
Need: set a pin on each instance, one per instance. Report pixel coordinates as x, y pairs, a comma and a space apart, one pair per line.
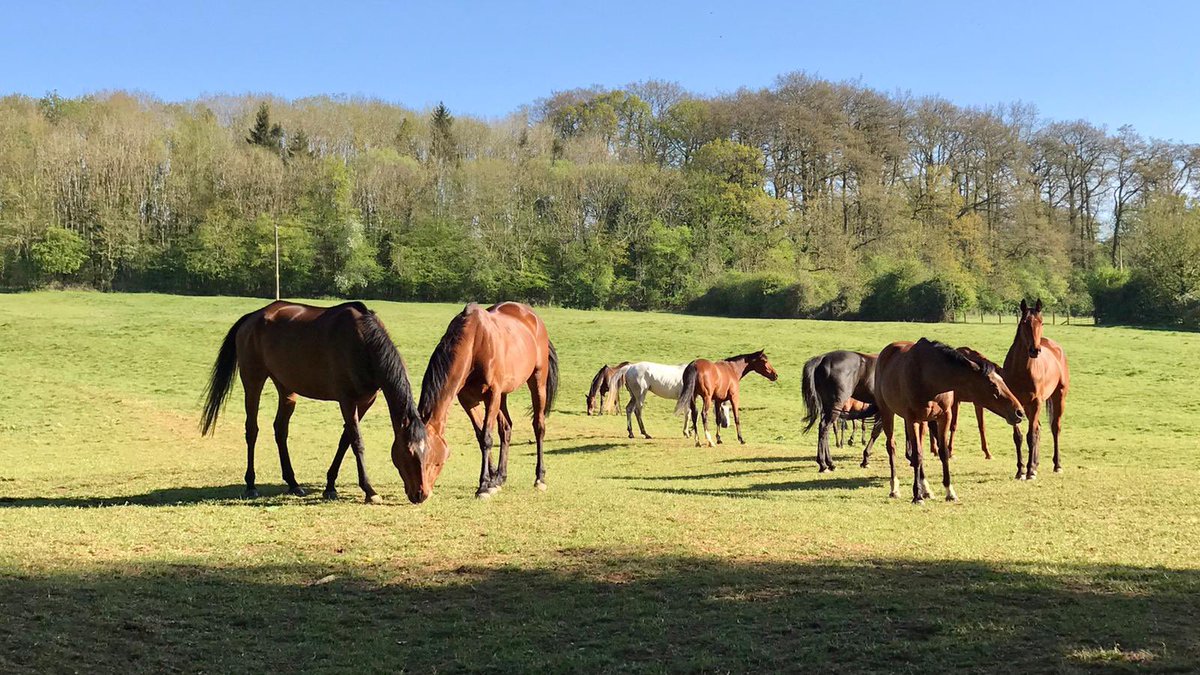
1024, 307
1037, 308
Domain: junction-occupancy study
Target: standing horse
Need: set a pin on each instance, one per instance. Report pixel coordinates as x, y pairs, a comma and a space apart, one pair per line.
1036, 370
921, 382
605, 390
829, 381
341, 354
484, 356
719, 382
660, 379
854, 412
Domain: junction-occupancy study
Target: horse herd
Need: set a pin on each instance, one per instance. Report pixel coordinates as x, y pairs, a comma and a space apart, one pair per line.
344, 354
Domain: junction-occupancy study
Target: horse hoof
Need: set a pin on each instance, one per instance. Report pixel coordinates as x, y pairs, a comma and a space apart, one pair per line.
821, 469
250, 493
741, 441
864, 465
648, 436
374, 499
1020, 476
330, 495
483, 494
297, 491
988, 456
493, 489
893, 495
919, 501
832, 467
719, 442
540, 484
1030, 476
1058, 469
631, 434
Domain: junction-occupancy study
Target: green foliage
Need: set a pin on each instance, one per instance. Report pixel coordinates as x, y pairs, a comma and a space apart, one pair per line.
60, 253
858, 203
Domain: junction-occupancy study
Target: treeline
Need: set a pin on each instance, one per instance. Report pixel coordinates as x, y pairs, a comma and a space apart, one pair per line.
808, 198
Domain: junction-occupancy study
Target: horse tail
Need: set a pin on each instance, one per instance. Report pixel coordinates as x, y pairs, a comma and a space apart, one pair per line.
551, 378
617, 379
688, 393
812, 402
221, 380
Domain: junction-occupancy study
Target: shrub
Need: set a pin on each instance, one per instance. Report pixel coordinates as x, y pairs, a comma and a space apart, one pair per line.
60, 253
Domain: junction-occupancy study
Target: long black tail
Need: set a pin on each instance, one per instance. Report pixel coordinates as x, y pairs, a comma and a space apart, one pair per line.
808, 388
552, 379
688, 393
222, 379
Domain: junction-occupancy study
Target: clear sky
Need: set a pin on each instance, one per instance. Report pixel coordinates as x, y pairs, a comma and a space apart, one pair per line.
1109, 62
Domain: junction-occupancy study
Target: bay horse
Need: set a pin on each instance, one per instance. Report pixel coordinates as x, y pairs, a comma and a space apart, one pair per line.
485, 355
605, 390
719, 382
854, 414
1036, 371
340, 353
920, 382
828, 382
662, 380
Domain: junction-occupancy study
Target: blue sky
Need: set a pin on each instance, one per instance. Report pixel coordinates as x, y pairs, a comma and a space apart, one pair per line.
1110, 62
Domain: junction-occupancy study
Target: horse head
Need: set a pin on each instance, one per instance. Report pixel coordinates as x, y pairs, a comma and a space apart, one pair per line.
1029, 330
758, 363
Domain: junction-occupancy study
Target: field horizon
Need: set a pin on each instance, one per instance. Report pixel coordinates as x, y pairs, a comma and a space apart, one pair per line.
127, 543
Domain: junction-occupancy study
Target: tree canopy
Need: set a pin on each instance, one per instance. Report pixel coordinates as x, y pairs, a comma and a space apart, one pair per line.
805, 198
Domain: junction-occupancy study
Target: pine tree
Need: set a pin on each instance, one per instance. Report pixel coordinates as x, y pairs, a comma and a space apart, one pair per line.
443, 147
263, 133
298, 146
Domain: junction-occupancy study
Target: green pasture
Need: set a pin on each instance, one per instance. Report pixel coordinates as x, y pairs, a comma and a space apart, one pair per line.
125, 545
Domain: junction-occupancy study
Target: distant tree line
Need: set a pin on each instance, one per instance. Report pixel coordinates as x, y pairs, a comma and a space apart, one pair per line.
805, 199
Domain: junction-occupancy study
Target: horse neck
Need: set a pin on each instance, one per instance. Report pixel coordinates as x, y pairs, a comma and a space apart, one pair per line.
401, 406
741, 367
1018, 352
456, 376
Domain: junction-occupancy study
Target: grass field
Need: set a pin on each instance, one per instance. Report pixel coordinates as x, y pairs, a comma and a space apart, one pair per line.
124, 543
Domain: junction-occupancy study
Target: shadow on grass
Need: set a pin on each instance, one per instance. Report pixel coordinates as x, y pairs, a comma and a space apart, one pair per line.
598, 611
220, 494
587, 448
705, 476
759, 490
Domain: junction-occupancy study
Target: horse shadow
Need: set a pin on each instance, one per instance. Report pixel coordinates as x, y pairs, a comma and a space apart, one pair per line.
763, 490
175, 496
585, 449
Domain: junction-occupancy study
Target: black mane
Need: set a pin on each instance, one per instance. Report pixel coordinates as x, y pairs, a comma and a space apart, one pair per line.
746, 357
959, 359
594, 390
388, 367
439, 364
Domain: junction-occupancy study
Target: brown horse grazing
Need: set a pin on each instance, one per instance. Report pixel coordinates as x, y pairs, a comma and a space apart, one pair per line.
341, 354
1036, 370
606, 390
484, 356
920, 382
719, 382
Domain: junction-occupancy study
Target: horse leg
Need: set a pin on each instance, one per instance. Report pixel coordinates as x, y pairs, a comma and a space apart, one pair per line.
1057, 400
718, 415
504, 421
332, 474
638, 409
888, 424
705, 402
478, 423
943, 431
537, 394
1033, 437
982, 434
932, 451
629, 413
737, 418
253, 387
287, 406
914, 442
350, 416
876, 429
839, 431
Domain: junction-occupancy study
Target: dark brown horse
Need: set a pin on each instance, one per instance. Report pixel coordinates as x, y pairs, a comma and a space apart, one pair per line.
920, 382
1036, 371
719, 382
484, 356
341, 354
604, 396
828, 382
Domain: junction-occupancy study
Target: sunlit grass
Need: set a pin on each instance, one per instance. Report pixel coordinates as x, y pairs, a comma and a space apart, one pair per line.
124, 539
